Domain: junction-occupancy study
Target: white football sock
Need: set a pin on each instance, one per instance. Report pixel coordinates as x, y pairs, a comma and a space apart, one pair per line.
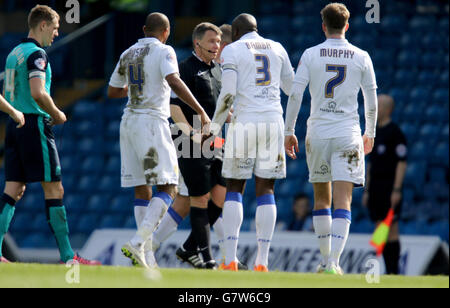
154, 212
218, 228
339, 234
322, 229
167, 227
265, 219
233, 215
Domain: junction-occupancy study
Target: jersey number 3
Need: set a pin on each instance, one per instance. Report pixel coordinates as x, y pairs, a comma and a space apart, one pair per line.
264, 70
341, 71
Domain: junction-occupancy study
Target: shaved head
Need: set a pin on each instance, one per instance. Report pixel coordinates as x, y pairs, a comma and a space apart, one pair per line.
155, 24
385, 107
243, 24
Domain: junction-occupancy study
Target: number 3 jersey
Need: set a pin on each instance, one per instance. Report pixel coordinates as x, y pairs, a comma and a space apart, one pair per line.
143, 68
335, 71
262, 67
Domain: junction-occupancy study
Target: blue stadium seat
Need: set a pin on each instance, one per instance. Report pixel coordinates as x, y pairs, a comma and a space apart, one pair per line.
441, 154
441, 95
113, 109
122, 203
98, 203
422, 24
418, 151
427, 77
92, 165
33, 203
415, 174
111, 222
443, 24
86, 110
182, 54
21, 222
409, 40
443, 78
130, 223
273, 24
87, 223
113, 165
37, 240
87, 183
75, 203
39, 222
109, 183
408, 59
428, 60
399, 93
420, 95
113, 130
393, 24
432, 41
412, 114
410, 130
444, 133
430, 133
357, 197
268, 7
435, 114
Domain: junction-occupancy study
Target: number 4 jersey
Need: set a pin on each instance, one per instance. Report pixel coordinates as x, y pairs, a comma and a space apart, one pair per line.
143, 68
263, 67
335, 71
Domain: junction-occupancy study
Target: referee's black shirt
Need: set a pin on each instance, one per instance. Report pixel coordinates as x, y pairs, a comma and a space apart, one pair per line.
204, 81
390, 147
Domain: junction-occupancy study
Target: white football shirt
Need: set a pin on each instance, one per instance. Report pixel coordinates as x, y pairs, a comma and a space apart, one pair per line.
263, 67
335, 71
144, 67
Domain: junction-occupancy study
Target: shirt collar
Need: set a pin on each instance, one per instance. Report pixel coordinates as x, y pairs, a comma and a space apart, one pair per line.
149, 40
31, 40
213, 64
251, 35
336, 41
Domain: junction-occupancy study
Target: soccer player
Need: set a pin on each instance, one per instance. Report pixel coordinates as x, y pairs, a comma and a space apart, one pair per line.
385, 175
335, 71
198, 175
145, 73
254, 70
30, 151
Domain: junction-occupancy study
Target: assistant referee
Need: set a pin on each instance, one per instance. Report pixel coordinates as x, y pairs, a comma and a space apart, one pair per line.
385, 175
202, 175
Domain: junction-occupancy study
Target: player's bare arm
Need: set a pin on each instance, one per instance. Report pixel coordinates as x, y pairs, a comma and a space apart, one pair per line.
225, 100
44, 101
13, 113
398, 183
182, 91
180, 120
117, 92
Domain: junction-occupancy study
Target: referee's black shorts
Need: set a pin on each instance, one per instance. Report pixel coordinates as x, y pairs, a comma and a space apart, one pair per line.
201, 174
380, 200
30, 151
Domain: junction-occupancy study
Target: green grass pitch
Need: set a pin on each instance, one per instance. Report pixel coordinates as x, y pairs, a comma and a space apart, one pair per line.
36, 275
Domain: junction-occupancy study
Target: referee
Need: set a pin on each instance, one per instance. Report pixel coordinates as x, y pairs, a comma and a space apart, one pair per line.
202, 175
385, 174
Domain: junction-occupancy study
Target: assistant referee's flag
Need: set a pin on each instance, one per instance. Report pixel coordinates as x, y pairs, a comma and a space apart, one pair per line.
380, 235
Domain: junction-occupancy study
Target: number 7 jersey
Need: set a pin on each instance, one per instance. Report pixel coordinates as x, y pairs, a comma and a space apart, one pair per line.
143, 68
335, 71
263, 67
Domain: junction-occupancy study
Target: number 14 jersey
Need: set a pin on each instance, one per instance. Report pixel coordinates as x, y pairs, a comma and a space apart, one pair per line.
143, 68
335, 71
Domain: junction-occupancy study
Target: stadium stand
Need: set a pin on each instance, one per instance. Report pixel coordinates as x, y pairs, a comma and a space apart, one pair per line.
410, 53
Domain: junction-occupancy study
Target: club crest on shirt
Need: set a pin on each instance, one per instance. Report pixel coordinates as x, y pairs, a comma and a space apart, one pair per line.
40, 63
171, 57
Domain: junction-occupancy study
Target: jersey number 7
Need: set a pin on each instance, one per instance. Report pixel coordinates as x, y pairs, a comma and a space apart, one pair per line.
341, 71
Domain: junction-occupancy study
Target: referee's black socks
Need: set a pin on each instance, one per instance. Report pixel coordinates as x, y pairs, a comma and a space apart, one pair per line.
391, 255
201, 231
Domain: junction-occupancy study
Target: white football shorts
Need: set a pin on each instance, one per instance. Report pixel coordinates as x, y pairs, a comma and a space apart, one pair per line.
255, 145
148, 155
337, 159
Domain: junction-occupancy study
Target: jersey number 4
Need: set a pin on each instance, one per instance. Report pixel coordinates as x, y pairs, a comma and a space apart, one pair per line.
263, 70
136, 76
341, 71
9, 83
